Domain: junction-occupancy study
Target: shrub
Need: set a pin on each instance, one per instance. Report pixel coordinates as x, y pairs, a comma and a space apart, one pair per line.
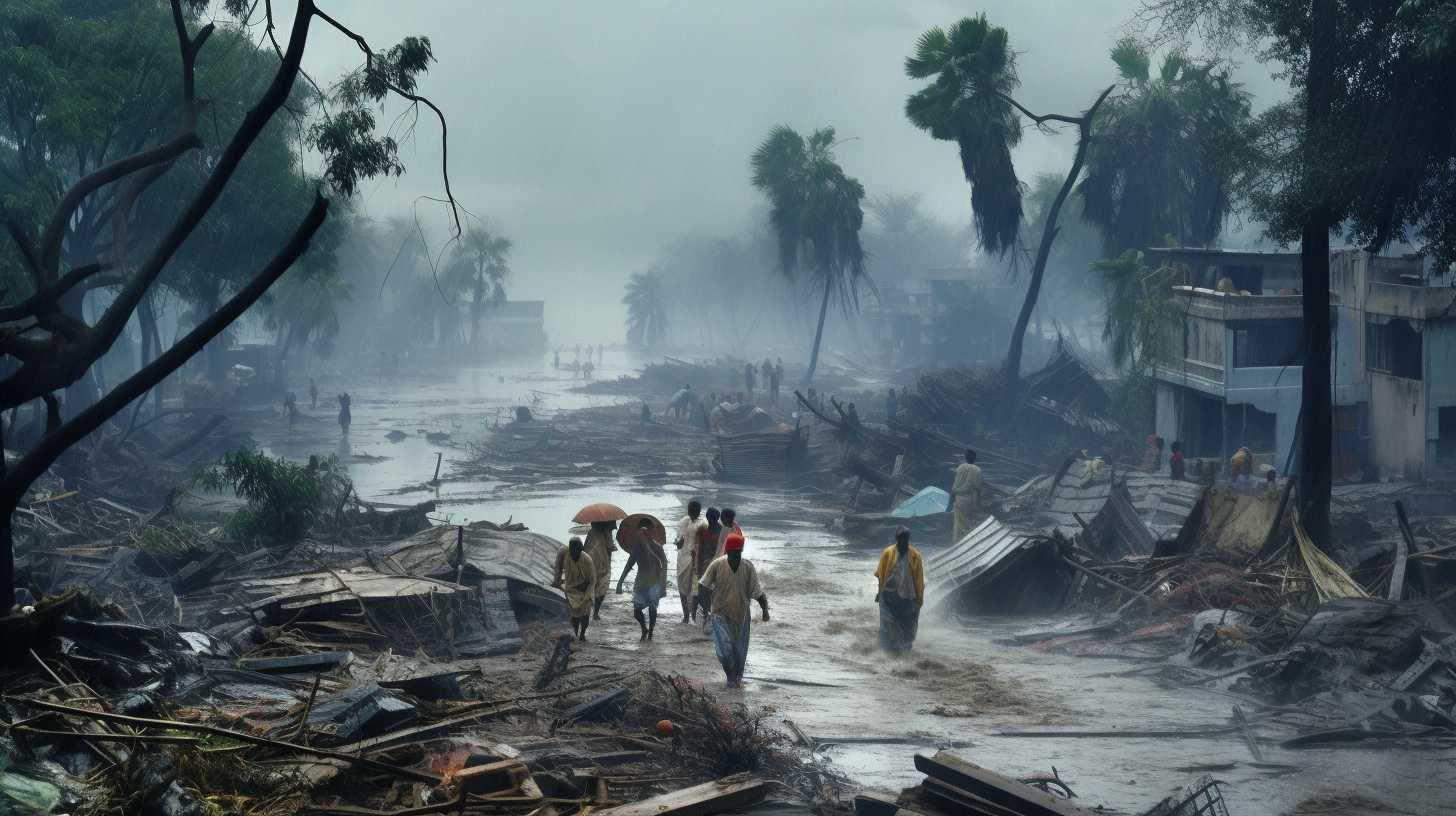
283, 497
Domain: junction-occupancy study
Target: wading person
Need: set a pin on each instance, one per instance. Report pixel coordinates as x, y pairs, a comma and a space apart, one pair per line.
312, 394
599, 545
576, 575
901, 593
1177, 466
707, 550
748, 380
689, 529
651, 583
966, 496
729, 520
733, 584
346, 417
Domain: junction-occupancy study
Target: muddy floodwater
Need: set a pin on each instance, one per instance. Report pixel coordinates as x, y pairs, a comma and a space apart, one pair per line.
816, 662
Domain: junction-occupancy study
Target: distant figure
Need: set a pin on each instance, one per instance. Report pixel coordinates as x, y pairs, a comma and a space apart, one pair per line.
690, 529
1241, 465
852, 417
383, 365
1153, 455
892, 406
290, 408
600, 546
345, 416
901, 593
556, 360
578, 352
1177, 467
312, 394
682, 401
966, 496
651, 583
587, 368
601, 353
733, 583
775, 381
748, 379
576, 574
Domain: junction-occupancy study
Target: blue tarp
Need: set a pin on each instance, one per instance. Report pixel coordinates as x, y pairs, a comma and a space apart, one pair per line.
927, 502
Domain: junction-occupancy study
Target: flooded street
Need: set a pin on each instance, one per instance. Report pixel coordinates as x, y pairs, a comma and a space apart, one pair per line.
817, 663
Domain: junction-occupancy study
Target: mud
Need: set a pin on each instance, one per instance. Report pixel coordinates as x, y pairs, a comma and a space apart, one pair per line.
816, 663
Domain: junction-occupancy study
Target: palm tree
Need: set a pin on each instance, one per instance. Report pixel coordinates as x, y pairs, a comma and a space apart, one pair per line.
304, 307
646, 315
478, 268
815, 212
969, 102
1165, 153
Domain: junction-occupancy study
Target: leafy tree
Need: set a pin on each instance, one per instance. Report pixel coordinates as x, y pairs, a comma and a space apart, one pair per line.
969, 102
46, 347
816, 215
1363, 149
646, 314
1164, 152
478, 268
283, 498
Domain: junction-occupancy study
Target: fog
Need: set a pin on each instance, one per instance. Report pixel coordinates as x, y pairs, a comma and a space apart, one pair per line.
597, 135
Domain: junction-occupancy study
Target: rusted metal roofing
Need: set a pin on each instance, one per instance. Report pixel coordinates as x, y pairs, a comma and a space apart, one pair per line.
519, 555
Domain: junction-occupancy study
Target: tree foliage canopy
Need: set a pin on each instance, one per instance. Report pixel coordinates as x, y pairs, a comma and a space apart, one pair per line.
1166, 152
974, 73
646, 311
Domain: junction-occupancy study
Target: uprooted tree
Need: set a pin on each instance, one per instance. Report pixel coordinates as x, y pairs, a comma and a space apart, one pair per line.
46, 345
968, 101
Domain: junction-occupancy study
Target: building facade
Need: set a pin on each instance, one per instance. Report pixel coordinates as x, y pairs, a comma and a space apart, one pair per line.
1235, 373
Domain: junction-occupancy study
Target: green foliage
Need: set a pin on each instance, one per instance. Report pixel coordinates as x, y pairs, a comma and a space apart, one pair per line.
815, 209
646, 314
1166, 152
478, 268
974, 73
1141, 313
283, 498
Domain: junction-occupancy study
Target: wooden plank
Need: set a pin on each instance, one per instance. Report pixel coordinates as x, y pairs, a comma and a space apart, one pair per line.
1023, 800
729, 793
1248, 734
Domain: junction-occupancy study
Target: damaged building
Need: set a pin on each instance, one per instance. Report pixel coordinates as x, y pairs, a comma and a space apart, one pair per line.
1237, 380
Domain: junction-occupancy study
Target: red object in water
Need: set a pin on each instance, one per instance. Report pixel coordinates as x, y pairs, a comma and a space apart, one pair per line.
665, 729
601, 511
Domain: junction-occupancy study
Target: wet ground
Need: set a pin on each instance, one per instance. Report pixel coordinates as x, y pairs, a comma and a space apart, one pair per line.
816, 662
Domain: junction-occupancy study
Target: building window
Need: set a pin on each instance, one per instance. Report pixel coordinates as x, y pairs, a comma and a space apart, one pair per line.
1446, 428
1393, 347
1268, 343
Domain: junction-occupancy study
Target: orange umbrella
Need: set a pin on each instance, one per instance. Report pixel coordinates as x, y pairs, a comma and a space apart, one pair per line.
601, 511
627, 535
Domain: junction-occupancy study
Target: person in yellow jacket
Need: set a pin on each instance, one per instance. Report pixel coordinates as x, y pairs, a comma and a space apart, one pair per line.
901, 593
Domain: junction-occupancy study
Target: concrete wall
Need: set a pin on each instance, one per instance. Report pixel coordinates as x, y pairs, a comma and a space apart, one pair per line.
1397, 426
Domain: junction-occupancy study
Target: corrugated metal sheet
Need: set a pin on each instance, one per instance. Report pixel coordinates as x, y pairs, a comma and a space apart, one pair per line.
976, 559
1163, 503
1118, 530
519, 555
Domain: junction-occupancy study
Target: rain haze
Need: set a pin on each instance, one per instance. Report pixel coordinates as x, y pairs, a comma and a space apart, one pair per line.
777, 408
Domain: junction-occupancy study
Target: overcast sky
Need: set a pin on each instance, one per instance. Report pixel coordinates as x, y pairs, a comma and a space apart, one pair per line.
593, 133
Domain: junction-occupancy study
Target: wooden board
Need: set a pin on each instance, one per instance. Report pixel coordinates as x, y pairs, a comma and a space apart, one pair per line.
729, 793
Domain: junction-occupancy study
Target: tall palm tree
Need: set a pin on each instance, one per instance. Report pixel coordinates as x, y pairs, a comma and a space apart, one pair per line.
815, 212
478, 268
1165, 153
969, 102
646, 314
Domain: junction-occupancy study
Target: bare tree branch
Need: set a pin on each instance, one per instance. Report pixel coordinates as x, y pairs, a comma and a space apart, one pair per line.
55, 231
416, 98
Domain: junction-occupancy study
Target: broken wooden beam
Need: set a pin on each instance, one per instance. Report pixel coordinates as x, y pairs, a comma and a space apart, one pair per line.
297, 664
728, 793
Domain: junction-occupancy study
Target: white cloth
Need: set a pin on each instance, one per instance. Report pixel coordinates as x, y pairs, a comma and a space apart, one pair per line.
733, 590
688, 529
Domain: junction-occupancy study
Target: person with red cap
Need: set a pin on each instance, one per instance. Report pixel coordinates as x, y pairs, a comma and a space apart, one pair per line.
733, 582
